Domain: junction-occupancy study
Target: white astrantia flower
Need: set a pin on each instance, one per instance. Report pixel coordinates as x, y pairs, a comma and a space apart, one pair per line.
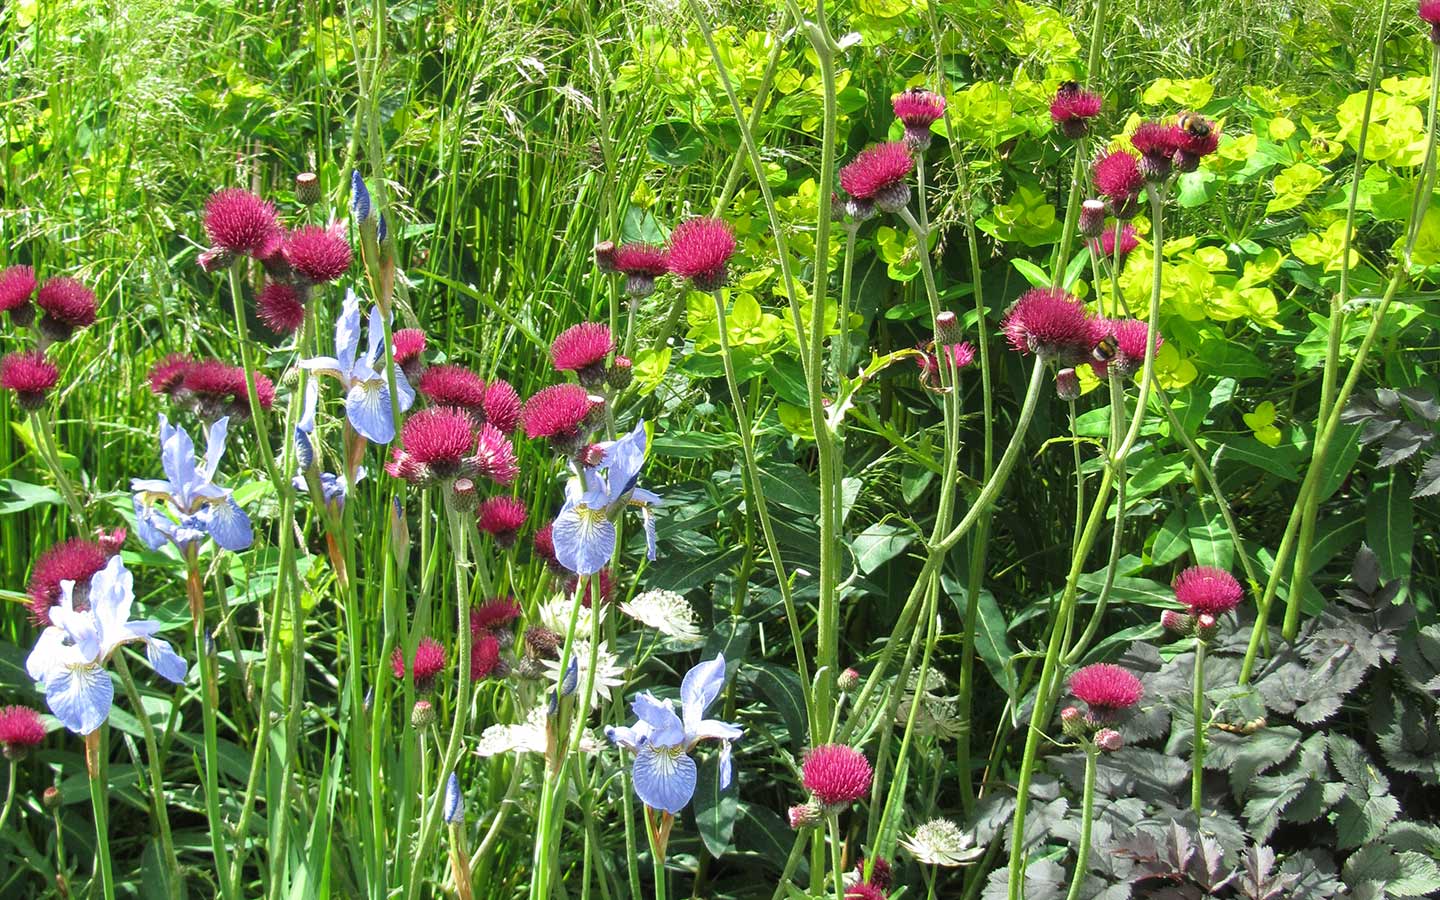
667, 612
555, 615
609, 673
940, 842
525, 737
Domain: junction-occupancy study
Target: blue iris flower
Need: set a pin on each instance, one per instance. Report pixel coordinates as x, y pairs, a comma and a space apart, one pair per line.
454, 801
332, 487
69, 658
664, 773
584, 531
200, 507
367, 392
359, 197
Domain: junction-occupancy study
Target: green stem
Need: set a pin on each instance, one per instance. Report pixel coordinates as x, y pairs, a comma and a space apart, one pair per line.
1087, 821
9, 794
51, 456
1197, 754
157, 778
209, 698
95, 752
837, 856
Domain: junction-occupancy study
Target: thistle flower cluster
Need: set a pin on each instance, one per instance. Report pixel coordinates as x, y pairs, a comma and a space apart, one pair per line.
1109, 693
489, 632
440, 445
209, 388
1164, 148
699, 252
835, 775
1207, 593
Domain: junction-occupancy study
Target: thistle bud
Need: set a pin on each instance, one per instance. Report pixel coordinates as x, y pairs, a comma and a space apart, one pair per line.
805, 815
51, 798
1072, 721
542, 642
605, 257
1067, 384
1092, 218
399, 534
893, 197
307, 188
1109, 740
621, 373
1176, 621
1206, 626
848, 681
463, 495
216, 259
422, 714
948, 328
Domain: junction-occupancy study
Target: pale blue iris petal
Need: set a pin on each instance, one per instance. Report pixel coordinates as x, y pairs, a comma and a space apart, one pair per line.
304, 448
623, 461
714, 730
177, 458
403, 390
584, 539
228, 524
112, 590
81, 629
629, 738
79, 696
367, 406
191, 530
454, 801
727, 772
325, 365
155, 486
375, 337
53, 651
347, 334
666, 729
647, 519
215, 446
702, 684
664, 777
165, 661
153, 526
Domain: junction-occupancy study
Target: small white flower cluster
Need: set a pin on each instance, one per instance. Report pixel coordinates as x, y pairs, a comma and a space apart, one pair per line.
667, 612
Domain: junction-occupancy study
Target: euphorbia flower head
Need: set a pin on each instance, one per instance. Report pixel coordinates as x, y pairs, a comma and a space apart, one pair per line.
1206, 590
69, 658
17, 285
1118, 178
30, 375
1128, 241
641, 264
429, 662
199, 506
700, 250
1107, 689
434, 443
1157, 143
367, 389
501, 518
918, 109
242, 223
1051, 324
836, 775
582, 349
559, 412
318, 253
20, 731
663, 773
584, 531
880, 173
1073, 108
74, 560
280, 307
68, 305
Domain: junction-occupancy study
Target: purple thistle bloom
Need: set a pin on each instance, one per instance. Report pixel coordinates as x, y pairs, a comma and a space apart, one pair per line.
584, 532
200, 506
663, 771
367, 392
69, 658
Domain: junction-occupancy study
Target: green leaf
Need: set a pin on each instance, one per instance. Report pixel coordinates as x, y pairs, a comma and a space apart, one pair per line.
675, 142
693, 444
879, 544
1367, 807
782, 688
731, 638
715, 809
992, 639
1033, 273
759, 831
1209, 539
1170, 541
1390, 525
16, 496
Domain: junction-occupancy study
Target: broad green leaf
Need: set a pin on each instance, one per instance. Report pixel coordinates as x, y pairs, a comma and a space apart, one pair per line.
715, 808
1390, 524
782, 688
879, 544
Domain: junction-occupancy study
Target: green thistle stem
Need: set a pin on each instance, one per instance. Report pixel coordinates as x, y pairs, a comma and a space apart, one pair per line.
1197, 754
1087, 822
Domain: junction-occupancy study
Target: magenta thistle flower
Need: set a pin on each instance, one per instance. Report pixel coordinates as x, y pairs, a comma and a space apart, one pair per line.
320, 254
1130, 336
918, 109
544, 545
494, 455
67, 305
1106, 688
700, 250
582, 349
881, 875
880, 174
457, 386
17, 284
836, 775
502, 405
493, 615
409, 344
167, 375
1157, 143
1206, 590
74, 560
217, 389
20, 731
280, 307
1128, 241
1073, 108
501, 518
429, 662
1430, 14
241, 222
960, 355
1118, 178
433, 444
557, 412
1051, 324
485, 658
30, 375
641, 264
864, 891
1092, 218
805, 815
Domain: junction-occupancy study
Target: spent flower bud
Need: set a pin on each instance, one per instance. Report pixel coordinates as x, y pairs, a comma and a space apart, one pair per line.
848, 681
1067, 384
1109, 740
51, 798
307, 188
422, 714
1092, 218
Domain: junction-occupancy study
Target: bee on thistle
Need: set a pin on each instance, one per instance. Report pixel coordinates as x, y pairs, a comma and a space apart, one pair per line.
1105, 348
1194, 125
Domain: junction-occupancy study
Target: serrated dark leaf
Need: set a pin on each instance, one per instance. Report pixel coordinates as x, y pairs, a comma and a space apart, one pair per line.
1403, 443
1367, 806
1406, 730
1388, 399
1375, 429
1359, 409
1045, 879
1421, 403
1428, 482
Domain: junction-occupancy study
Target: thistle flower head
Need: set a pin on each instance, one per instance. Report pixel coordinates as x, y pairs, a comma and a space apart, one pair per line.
1430, 12
1109, 740
409, 344
1158, 143
1106, 688
863, 891
67, 305
168, 374
241, 222
501, 518
582, 349
320, 254
557, 411
20, 731
848, 680
1130, 336
74, 560
493, 615
805, 815
17, 284
280, 307
429, 662
1206, 590
544, 545
1067, 384
1050, 323
1092, 218
494, 455
485, 658
881, 875
434, 442
940, 842
700, 250
917, 107
1073, 108
880, 173
30, 375
1128, 241
836, 775
457, 386
641, 259
1118, 178
601, 580
217, 389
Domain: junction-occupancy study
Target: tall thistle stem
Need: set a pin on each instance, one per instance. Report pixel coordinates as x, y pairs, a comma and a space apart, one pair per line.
1087, 822
1197, 749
